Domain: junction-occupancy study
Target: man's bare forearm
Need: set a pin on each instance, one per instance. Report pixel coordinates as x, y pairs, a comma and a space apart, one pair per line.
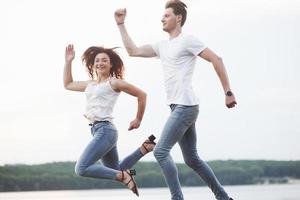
222, 73
127, 41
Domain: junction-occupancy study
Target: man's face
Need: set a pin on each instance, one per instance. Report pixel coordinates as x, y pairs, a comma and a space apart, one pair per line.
169, 20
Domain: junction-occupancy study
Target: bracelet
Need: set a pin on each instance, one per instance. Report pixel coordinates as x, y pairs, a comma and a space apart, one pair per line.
120, 23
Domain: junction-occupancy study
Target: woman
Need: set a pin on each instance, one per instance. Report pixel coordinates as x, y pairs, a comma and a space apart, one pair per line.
106, 70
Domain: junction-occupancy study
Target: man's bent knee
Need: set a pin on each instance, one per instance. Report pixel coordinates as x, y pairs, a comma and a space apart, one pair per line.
159, 153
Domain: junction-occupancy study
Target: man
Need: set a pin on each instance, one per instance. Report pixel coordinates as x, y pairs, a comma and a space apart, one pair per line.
178, 56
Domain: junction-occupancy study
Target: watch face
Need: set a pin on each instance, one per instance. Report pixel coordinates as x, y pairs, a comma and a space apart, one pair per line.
229, 93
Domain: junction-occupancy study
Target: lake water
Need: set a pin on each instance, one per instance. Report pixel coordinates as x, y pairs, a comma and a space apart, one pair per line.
248, 192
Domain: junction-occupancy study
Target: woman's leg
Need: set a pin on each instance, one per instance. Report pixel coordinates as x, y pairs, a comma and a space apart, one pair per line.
134, 157
111, 160
104, 140
131, 159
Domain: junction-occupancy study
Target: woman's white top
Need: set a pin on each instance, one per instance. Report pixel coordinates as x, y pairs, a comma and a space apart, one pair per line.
101, 99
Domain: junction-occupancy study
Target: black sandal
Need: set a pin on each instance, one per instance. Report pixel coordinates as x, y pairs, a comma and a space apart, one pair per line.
131, 173
151, 139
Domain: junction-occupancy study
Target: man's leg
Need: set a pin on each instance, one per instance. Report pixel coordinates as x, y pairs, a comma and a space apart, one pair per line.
180, 119
188, 146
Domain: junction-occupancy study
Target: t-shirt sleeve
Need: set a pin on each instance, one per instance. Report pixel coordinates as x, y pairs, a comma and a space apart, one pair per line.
194, 45
155, 47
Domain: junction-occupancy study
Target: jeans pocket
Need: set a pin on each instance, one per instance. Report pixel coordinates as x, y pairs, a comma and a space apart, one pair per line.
96, 128
186, 114
111, 134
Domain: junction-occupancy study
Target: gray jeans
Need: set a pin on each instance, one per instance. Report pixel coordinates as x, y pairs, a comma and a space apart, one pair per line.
180, 127
103, 147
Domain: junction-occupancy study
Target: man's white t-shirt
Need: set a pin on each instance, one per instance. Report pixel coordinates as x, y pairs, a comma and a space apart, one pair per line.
178, 56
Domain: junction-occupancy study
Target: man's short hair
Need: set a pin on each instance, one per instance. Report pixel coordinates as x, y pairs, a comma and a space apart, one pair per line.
179, 8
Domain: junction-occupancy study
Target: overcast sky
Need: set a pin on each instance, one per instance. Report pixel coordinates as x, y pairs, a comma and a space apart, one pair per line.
258, 40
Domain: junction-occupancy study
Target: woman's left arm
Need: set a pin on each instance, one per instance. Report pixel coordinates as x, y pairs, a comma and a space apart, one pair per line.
121, 85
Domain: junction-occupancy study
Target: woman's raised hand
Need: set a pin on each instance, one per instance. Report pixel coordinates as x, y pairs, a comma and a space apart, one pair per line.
70, 53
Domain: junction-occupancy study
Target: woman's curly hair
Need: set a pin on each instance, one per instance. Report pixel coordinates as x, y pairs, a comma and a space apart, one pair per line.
88, 58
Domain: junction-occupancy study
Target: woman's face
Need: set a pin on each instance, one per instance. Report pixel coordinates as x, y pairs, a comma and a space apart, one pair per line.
102, 64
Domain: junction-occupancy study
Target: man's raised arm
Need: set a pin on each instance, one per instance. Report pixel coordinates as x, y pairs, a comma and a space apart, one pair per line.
132, 49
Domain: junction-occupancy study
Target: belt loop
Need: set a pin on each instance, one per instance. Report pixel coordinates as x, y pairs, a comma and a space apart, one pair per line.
173, 106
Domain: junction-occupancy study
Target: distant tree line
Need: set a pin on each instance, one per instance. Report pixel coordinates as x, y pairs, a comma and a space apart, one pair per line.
61, 175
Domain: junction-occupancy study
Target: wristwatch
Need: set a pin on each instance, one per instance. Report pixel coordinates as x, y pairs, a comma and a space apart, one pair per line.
228, 93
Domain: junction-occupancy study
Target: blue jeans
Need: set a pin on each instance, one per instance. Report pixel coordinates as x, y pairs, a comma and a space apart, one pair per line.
180, 127
104, 147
